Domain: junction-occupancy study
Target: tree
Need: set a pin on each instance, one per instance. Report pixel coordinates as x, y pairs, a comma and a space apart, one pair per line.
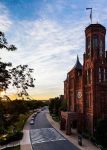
4, 74
4, 43
63, 106
101, 132
22, 79
54, 105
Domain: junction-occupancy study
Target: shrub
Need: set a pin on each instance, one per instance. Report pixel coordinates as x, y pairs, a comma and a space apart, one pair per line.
11, 137
101, 132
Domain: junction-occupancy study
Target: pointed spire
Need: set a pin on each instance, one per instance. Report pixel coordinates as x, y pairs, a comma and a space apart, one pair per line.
77, 58
77, 64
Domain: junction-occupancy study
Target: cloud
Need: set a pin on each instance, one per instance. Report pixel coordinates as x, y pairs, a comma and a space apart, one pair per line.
5, 21
48, 46
50, 49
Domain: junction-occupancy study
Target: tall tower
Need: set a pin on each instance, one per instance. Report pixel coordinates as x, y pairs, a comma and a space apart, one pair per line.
95, 76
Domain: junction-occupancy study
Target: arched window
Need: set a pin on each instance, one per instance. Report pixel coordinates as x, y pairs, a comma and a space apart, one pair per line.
88, 76
101, 47
88, 42
99, 74
95, 41
88, 45
104, 74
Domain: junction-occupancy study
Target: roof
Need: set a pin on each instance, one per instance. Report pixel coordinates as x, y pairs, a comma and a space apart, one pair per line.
77, 64
94, 27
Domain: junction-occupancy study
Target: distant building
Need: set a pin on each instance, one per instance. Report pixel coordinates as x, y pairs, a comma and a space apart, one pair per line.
85, 88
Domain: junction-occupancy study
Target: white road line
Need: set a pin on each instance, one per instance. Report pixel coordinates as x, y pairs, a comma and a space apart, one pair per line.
45, 135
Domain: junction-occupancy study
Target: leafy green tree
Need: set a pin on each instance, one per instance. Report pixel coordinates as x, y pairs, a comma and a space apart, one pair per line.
54, 105
22, 79
63, 106
4, 75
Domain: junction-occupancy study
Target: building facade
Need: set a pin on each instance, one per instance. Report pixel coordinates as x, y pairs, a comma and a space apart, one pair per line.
85, 88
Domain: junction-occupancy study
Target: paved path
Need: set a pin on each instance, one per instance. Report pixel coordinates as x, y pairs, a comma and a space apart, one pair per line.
73, 138
25, 143
45, 137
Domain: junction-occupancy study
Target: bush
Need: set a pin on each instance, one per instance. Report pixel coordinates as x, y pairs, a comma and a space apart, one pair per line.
11, 138
101, 133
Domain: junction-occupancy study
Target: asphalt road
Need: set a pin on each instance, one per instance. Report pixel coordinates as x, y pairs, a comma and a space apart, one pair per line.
45, 137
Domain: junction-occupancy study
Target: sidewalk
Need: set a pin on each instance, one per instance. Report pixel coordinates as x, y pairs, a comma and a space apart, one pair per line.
25, 143
87, 145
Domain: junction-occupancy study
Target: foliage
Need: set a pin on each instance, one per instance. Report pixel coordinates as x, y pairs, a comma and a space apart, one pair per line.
2, 119
56, 118
16, 112
4, 43
21, 121
56, 105
22, 79
101, 132
4, 76
4, 73
11, 137
63, 106
10, 111
21, 75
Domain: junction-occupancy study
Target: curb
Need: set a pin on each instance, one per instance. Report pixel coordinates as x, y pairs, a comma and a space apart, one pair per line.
73, 140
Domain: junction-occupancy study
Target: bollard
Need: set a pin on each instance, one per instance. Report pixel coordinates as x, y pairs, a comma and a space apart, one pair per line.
80, 140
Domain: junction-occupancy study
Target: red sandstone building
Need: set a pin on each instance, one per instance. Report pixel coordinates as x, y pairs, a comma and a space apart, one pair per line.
85, 88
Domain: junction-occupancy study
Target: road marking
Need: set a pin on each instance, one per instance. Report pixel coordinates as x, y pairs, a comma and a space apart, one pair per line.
45, 135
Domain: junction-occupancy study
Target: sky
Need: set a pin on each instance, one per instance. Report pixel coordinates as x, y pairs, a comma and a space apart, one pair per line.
48, 35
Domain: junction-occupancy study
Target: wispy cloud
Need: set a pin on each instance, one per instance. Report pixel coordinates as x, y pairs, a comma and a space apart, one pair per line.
5, 21
50, 49
48, 46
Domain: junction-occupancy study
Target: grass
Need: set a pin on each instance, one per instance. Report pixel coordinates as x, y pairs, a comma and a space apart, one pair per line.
19, 124
13, 148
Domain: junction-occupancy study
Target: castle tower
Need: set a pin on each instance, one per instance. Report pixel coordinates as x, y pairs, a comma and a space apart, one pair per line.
95, 76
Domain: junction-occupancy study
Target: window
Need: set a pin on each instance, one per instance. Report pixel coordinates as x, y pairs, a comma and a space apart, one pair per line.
104, 74
88, 76
101, 47
95, 41
88, 42
99, 74
88, 46
90, 100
